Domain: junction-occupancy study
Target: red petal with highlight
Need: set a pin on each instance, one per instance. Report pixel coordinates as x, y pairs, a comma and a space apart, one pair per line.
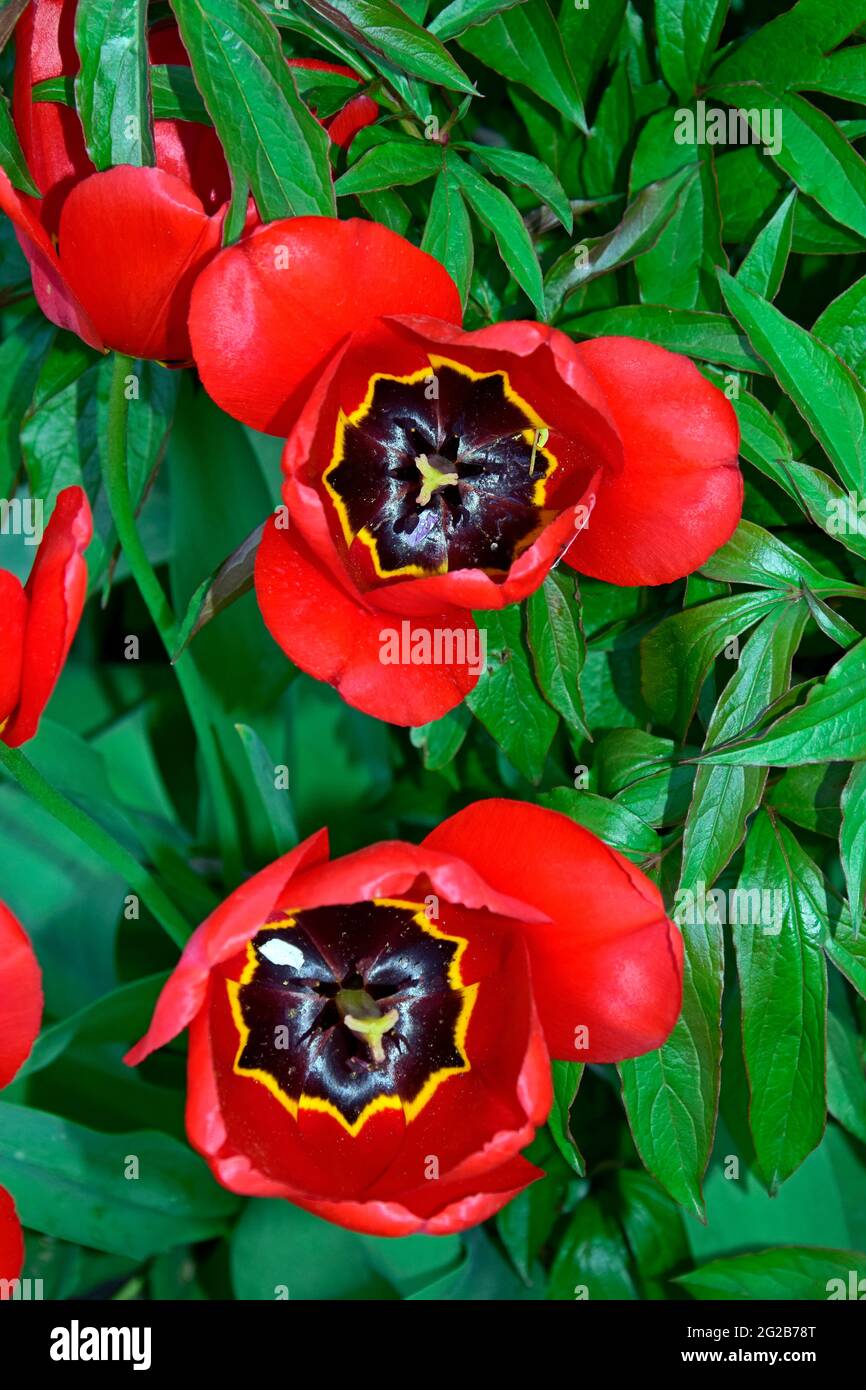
269, 311
11, 1239
335, 636
20, 996
609, 960
680, 494
132, 242
55, 592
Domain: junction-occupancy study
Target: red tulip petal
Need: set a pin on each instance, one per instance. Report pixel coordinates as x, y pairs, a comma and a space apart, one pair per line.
132, 242
53, 294
269, 311
219, 937
448, 1203
50, 132
609, 960
20, 996
358, 112
680, 494
336, 637
56, 591
437, 1209
11, 1240
13, 622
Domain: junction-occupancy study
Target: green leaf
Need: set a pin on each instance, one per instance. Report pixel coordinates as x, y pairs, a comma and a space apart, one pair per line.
680, 270
524, 45
461, 15
687, 31
558, 650
381, 27
794, 41
809, 797
639, 230
725, 797
506, 699
12, 161
120, 1016
566, 1080
589, 36
652, 1223
279, 1251
527, 172
708, 337
823, 389
112, 88
783, 989
592, 1261
852, 841
676, 656
441, 741
275, 799
273, 144
22, 354
829, 727
174, 95
610, 820
75, 1184
492, 207
763, 268
63, 442
789, 1274
754, 556
527, 1221
448, 232
813, 151
764, 443
671, 1095
842, 326
846, 1080
387, 165
641, 772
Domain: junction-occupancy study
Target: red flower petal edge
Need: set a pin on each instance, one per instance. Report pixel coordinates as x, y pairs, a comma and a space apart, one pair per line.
680, 494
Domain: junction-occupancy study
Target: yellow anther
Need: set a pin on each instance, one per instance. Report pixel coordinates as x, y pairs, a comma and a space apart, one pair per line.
539, 439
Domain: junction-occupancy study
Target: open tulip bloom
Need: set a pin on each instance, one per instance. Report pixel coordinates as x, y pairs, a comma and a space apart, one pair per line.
38, 621
20, 1016
114, 254
430, 472
370, 1037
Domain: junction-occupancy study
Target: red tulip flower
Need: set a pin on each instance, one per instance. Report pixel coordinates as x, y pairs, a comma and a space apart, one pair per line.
39, 621
20, 1016
370, 1036
114, 255
429, 472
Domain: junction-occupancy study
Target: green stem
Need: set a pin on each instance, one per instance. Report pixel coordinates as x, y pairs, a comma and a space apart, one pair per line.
22, 771
194, 694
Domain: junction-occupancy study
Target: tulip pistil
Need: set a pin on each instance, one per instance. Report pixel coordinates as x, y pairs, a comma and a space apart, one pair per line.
361, 1015
433, 478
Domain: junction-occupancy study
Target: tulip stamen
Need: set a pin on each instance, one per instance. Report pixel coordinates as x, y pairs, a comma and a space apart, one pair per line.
539, 440
372, 1027
433, 478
